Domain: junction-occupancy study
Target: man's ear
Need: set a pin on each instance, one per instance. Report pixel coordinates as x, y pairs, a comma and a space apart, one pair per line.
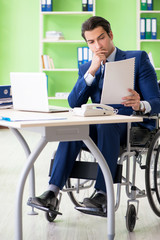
110, 35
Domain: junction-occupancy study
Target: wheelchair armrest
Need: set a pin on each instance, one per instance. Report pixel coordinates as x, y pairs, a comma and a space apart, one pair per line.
147, 115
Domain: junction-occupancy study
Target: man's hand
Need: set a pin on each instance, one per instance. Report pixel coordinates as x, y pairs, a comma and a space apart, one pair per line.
133, 100
98, 57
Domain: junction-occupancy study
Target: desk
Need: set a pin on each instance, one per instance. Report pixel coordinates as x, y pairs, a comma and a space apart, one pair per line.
65, 128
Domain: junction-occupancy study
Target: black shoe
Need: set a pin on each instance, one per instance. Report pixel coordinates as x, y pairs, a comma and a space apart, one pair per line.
47, 199
98, 200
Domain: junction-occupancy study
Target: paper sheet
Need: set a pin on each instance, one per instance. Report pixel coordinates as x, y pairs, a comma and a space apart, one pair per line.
118, 77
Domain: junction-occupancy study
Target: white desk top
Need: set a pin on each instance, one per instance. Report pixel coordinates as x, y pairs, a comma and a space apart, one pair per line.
58, 119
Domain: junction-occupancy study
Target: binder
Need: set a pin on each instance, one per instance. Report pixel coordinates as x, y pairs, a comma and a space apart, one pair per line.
90, 55
43, 5
5, 96
49, 5
43, 65
142, 28
154, 28
143, 4
80, 56
5, 91
148, 28
45, 57
150, 5
90, 5
85, 55
84, 5
52, 63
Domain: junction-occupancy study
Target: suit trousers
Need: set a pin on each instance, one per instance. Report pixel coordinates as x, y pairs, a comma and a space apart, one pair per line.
108, 138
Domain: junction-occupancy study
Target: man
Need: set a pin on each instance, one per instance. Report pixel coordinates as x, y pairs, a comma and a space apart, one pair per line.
144, 98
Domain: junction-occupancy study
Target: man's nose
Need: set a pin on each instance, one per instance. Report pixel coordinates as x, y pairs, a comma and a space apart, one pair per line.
98, 45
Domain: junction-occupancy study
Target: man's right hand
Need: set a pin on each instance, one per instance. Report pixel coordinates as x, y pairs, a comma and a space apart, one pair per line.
98, 57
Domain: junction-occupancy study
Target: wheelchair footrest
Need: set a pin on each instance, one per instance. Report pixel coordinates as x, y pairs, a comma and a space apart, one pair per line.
45, 209
92, 211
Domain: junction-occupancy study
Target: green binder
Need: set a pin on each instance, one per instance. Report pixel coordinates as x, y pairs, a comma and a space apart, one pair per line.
148, 28
143, 4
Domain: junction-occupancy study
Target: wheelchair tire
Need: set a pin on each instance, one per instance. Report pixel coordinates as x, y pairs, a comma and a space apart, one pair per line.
152, 174
50, 216
131, 217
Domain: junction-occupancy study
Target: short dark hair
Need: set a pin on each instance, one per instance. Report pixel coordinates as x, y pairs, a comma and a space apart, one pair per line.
94, 22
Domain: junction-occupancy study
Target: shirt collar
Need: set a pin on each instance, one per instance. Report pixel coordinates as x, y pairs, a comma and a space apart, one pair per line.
112, 56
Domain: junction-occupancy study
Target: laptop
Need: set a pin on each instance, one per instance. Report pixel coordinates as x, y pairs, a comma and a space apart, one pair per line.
30, 93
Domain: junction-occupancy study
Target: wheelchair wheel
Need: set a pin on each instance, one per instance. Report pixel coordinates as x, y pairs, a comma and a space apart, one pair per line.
131, 217
152, 174
82, 188
50, 216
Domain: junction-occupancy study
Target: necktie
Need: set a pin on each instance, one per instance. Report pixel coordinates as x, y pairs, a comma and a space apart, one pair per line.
102, 75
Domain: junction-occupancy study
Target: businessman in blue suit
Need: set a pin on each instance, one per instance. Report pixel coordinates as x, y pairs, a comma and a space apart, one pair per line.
145, 97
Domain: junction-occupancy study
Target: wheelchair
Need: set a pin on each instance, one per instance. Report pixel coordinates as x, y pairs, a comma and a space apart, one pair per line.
143, 149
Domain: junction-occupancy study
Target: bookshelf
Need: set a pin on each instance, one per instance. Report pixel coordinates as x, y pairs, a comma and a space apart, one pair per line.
150, 45
66, 17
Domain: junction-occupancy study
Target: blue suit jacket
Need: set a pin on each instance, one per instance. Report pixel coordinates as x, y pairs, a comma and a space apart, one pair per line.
145, 84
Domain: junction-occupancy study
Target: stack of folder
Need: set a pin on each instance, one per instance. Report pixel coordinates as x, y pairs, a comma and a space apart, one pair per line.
146, 5
5, 96
148, 28
84, 55
46, 5
87, 5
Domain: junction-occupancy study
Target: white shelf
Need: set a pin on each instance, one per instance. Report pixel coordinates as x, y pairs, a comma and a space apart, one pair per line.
61, 41
43, 40
61, 70
67, 13
152, 11
149, 40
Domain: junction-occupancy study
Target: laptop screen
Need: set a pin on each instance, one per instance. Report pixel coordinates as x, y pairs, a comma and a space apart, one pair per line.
29, 91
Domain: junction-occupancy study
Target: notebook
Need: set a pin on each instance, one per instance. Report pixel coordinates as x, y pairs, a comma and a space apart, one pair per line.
29, 92
118, 77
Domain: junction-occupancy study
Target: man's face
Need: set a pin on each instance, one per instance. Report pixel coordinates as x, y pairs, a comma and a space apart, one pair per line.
98, 39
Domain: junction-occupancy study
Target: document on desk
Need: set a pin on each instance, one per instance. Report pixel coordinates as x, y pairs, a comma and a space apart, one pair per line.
118, 77
29, 116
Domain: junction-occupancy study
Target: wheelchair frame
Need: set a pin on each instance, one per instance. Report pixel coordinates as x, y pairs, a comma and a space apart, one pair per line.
87, 171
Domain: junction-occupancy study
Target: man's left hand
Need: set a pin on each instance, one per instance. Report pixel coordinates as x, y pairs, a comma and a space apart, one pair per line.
133, 100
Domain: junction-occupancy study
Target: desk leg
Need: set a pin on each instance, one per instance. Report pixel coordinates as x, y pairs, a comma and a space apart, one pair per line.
32, 173
27, 152
109, 186
19, 195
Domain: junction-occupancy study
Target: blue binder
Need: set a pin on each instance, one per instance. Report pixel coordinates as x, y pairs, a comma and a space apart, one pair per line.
80, 56
150, 5
154, 28
85, 54
142, 28
5, 91
49, 4
90, 5
5, 95
43, 6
